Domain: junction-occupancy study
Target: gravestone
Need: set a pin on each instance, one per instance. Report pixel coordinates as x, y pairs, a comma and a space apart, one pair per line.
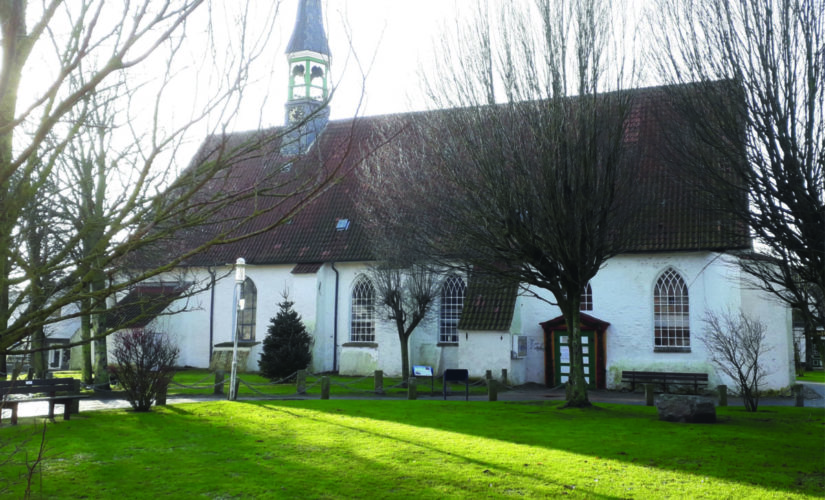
688, 409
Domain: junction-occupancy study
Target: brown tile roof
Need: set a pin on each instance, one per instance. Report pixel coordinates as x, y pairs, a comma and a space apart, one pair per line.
489, 304
675, 217
143, 304
306, 268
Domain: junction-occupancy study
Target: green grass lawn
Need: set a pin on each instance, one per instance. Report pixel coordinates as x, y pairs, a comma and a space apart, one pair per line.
202, 382
422, 449
813, 376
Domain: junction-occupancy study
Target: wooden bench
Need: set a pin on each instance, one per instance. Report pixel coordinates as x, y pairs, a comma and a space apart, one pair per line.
665, 379
55, 391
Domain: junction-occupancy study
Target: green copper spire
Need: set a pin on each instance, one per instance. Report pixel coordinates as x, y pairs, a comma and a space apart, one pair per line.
308, 56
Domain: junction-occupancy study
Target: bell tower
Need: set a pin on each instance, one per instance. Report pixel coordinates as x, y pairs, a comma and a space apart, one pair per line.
308, 56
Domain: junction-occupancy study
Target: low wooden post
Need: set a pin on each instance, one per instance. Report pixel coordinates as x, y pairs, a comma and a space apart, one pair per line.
798, 393
379, 382
324, 387
492, 390
649, 394
237, 388
723, 395
504, 376
220, 378
412, 390
488, 376
301, 382
160, 397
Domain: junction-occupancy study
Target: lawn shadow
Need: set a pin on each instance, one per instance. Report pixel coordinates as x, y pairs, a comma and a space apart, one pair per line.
485, 466
736, 451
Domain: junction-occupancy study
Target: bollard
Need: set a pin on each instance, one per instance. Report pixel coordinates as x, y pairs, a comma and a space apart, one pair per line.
325, 387
412, 391
492, 391
798, 393
649, 394
379, 382
301, 382
504, 376
220, 377
488, 376
723, 395
160, 397
30, 373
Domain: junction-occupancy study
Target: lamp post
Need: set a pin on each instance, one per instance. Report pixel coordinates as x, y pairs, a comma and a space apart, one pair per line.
240, 276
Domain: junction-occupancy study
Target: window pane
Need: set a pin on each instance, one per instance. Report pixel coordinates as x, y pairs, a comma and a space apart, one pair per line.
671, 313
246, 317
452, 302
362, 327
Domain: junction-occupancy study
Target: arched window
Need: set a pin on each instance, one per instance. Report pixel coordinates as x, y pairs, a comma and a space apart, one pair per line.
452, 301
246, 316
671, 313
362, 325
587, 299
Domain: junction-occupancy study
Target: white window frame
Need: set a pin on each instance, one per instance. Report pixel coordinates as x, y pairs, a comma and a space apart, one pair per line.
362, 311
671, 313
451, 304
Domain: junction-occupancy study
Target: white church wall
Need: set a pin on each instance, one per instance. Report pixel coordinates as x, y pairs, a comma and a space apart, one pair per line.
623, 296
480, 351
385, 353
778, 356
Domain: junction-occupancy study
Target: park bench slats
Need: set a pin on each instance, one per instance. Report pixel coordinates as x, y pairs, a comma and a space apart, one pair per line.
665, 379
55, 391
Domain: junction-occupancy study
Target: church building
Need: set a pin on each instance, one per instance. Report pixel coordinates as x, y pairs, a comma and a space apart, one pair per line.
643, 311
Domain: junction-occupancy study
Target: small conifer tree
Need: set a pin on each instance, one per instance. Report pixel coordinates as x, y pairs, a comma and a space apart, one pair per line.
288, 346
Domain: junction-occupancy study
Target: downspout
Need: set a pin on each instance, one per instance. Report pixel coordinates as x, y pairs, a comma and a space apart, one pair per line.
212, 273
335, 325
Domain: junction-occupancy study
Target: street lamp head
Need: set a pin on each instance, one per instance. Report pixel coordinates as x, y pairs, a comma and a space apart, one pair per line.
240, 270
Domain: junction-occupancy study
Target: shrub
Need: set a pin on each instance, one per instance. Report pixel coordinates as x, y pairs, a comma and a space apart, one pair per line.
288, 346
736, 344
144, 365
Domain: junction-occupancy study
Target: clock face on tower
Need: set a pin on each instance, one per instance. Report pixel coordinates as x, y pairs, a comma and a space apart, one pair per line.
296, 115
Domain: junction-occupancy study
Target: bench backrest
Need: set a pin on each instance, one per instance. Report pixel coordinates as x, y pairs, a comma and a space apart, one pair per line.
669, 375
50, 385
456, 375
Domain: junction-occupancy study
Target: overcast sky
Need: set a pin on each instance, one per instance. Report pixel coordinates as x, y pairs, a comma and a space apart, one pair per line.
390, 38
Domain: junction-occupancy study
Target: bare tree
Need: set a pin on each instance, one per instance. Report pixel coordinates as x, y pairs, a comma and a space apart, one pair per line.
110, 159
766, 124
406, 295
736, 345
519, 177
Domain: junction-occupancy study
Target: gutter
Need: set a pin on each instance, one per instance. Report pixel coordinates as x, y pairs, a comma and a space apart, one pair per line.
335, 325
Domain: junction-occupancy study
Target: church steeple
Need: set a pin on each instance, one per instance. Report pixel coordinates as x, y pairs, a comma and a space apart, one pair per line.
308, 56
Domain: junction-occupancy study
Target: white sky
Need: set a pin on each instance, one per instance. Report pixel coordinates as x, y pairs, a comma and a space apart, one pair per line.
390, 38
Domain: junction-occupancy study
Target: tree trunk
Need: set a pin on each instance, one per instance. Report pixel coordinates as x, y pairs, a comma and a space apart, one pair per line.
39, 358
576, 383
101, 366
86, 347
405, 358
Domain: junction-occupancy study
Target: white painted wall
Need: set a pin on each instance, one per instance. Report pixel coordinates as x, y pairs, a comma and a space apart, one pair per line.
622, 296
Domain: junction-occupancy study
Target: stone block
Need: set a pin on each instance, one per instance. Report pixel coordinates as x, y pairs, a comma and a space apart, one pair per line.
688, 409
